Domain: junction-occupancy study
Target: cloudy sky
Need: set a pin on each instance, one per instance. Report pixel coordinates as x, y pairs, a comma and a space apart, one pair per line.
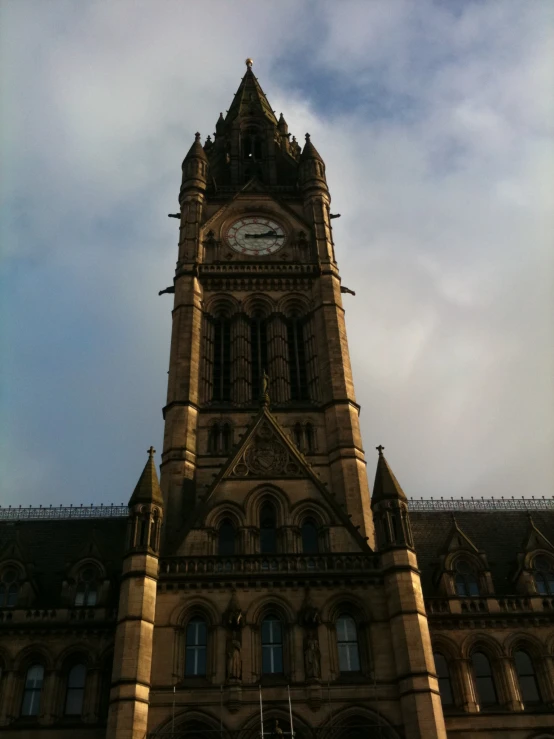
435, 120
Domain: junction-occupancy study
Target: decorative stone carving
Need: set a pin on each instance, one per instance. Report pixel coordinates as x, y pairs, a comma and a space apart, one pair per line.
312, 657
266, 456
234, 660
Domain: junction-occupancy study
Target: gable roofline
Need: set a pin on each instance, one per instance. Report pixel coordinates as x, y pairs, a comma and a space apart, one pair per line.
264, 414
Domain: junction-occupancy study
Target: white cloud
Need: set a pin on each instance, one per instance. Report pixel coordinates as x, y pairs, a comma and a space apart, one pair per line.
439, 158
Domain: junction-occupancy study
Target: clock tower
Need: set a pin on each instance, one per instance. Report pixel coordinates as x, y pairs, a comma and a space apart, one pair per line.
258, 320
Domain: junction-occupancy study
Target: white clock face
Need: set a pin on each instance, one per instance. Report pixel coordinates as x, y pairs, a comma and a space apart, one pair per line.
255, 235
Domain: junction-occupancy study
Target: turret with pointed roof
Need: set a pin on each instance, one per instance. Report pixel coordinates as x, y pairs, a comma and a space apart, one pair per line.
390, 508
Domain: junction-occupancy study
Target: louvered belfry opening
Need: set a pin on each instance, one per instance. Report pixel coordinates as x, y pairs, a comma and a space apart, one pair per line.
239, 348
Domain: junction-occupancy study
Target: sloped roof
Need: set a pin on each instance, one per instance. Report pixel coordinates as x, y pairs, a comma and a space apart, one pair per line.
50, 548
250, 100
499, 534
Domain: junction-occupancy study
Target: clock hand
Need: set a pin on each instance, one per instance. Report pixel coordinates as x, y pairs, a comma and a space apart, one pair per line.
264, 236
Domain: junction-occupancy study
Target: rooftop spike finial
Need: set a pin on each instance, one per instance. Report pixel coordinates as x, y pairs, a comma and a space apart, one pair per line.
249, 62
151, 452
380, 449
197, 136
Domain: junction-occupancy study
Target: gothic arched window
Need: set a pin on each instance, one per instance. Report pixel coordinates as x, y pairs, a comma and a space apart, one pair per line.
298, 440
347, 642
543, 573
526, 677
297, 359
467, 584
86, 593
75, 691
195, 652
32, 691
309, 434
484, 680
8, 588
272, 646
445, 683
268, 529
222, 360
251, 145
310, 542
226, 538
258, 348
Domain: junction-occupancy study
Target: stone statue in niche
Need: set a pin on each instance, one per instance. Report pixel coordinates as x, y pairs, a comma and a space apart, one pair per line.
312, 657
234, 658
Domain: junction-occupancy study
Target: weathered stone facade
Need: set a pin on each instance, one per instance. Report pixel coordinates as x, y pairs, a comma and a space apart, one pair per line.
260, 588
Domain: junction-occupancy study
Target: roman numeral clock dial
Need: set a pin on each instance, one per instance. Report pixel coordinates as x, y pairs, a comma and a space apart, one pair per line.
255, 236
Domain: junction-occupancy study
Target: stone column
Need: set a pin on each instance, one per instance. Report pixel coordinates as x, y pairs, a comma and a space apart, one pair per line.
510, 687
92, 696
8, 689
469, 699
48, 698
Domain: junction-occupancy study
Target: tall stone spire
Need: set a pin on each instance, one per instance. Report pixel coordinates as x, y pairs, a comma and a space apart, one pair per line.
250, 99
386, 486
147, 489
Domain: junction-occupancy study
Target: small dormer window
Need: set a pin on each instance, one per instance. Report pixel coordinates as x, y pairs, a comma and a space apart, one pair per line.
87, 589
543, 574
8, 588
466, 581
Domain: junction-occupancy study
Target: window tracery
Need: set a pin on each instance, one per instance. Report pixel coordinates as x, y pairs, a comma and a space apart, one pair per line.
527, 678
483, 678
220, 438
32, 691
465, 579
9, 587
272, 645
75, 690
195, 647
543, 575
86, 593
444, 679
347, 643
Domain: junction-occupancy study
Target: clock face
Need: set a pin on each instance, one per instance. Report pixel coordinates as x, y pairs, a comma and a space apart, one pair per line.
255, 235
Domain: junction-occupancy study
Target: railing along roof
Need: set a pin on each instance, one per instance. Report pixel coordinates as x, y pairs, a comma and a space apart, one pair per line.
481, 504
63, 512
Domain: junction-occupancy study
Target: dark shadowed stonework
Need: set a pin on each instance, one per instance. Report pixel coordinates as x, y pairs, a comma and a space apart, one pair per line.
258, 567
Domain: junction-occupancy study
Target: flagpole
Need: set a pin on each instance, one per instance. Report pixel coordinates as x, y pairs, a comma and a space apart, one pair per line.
261, 714
290, 714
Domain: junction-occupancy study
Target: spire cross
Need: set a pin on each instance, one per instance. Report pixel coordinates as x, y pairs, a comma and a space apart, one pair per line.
151, 452
380, 449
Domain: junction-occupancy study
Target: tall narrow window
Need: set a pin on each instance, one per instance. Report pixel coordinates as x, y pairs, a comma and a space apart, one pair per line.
213, 439
544, 575
86, 593
225, 438
309, 433
272, 646
443, 675
484, 681
298, 440
32, 691
226, 538
195, 656
526, 678
297, 359
268, 529
347, 641
75, 692
8, 588
222, 360
467, 584
310, 544
258, 348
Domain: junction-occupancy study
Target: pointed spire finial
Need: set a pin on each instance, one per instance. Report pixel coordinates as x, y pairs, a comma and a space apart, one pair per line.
380, 449
151, 452
249, 62
197, 136
307, 137
264, 397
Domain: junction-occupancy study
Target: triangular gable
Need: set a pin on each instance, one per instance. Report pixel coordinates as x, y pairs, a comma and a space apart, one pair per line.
267, 453
13, 549
457, 540
535, 539
90, 549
